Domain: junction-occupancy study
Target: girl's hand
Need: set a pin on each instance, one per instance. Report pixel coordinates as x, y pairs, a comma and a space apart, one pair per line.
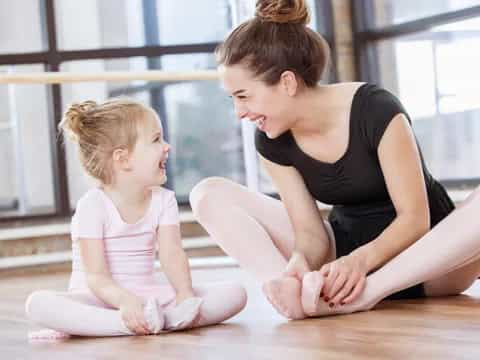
344, 279
297, 266
132, 311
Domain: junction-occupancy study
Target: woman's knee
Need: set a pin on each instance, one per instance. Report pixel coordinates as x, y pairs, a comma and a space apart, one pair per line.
460, 288
447, 290
209, 190
449, 285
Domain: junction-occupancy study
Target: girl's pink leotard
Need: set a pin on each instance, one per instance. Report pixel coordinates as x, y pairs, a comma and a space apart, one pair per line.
129, 248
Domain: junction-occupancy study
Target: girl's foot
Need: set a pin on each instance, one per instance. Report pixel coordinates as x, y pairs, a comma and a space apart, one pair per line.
154, 316
183, 315
47, 335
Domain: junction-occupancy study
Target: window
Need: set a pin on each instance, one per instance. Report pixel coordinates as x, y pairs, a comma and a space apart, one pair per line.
24, 118
94, 24
430, 64
21, 27
388, 12
108, 35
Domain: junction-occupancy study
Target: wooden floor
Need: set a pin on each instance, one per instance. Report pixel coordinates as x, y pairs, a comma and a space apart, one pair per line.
446, 328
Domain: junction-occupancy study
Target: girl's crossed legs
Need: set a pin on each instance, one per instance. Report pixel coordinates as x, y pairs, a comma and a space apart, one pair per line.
81, 313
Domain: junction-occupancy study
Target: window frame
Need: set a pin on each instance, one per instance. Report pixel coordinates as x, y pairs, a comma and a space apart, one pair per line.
53, 57
366, 35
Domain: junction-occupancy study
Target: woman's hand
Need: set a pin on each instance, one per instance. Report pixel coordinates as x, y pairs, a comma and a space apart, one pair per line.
297, 266
132, 311
344, 279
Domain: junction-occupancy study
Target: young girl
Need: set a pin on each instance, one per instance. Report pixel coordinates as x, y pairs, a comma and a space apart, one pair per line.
113, 290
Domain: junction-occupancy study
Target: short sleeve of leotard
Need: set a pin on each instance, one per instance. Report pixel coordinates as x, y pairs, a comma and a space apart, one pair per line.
381, 108
89, 218
275, 150
168, 210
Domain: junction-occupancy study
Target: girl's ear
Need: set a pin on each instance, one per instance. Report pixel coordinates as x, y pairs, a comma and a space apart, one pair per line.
121, 159
289, 82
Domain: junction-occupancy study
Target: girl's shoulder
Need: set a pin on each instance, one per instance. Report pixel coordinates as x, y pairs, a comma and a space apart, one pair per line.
163, 197
90, 217
165, 206
93, 201
92, 196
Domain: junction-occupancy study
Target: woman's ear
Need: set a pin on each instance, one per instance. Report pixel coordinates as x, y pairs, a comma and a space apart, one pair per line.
121, 159
289, 82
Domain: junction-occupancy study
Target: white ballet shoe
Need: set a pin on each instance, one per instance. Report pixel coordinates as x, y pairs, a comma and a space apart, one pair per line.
47, 335
154, 316
183, 315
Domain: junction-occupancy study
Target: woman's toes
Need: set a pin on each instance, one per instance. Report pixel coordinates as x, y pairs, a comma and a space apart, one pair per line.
284, 295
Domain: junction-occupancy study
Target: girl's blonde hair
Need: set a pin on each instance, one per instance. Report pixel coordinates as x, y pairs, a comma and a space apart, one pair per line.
100, 128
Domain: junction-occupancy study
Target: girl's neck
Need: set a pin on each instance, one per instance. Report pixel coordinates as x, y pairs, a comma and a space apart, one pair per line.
126, 194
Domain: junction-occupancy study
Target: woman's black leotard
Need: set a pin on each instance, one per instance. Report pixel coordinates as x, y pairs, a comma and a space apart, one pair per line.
354, 185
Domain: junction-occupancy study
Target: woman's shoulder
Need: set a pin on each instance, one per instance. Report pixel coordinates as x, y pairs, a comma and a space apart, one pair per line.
270, 146
375, 108
262, 139
277, 150
376, 96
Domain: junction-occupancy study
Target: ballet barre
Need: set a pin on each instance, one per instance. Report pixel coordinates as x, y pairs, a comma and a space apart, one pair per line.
69, 77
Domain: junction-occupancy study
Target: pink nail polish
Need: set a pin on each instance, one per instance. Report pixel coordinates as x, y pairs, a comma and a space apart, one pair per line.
331, 305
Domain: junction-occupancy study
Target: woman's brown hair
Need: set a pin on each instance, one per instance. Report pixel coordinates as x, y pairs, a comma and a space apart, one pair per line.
277, 39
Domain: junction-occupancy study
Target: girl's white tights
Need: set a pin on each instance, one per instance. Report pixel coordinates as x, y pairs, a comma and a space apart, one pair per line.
77, 313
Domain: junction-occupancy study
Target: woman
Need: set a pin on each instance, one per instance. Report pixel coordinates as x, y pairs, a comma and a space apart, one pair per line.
350, 145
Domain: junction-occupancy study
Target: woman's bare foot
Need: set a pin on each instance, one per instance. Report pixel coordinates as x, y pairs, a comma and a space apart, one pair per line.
285, 296
297, 300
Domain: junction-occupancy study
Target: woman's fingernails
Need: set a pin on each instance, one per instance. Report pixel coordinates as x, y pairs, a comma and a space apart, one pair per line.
321, 294
326, 299
342, 303
331, 305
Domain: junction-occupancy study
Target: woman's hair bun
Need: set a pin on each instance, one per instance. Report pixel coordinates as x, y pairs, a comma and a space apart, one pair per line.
283, 11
